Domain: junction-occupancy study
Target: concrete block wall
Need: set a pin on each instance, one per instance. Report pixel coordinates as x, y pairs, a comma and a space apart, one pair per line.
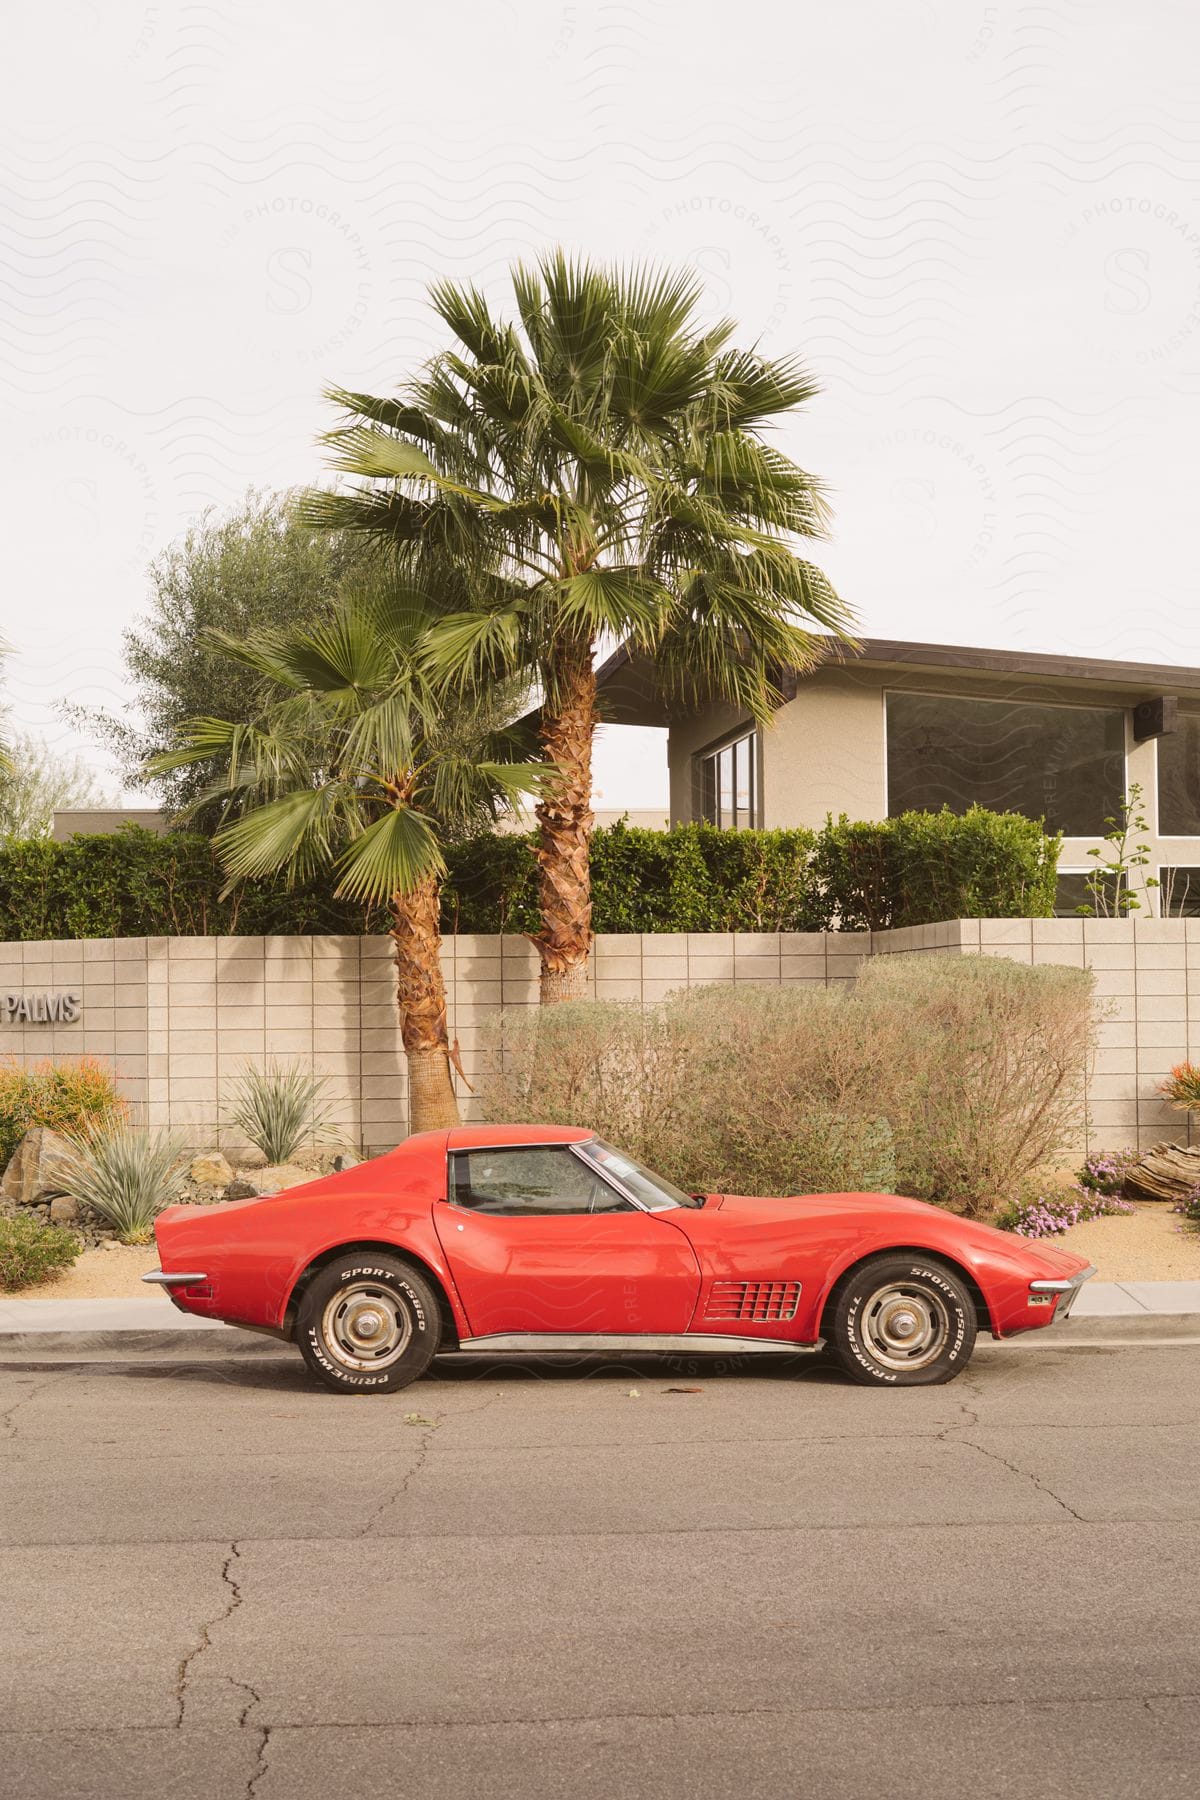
178, 1017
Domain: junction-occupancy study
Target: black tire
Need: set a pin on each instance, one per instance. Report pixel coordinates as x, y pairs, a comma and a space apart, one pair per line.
368, 1324
901, 1321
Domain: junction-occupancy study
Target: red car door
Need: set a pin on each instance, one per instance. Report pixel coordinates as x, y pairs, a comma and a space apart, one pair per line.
537, 1241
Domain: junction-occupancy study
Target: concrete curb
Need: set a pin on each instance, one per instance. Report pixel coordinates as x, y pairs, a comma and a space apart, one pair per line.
1108, 1312
226, 1342
207, 1345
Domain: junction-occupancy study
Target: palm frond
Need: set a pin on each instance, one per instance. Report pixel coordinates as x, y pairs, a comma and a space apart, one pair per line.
392, 856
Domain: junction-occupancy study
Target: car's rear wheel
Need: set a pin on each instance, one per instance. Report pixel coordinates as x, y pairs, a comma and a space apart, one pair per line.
902, 1321
368, 1324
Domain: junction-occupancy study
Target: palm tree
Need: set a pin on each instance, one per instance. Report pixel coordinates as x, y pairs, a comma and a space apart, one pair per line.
358, 763
599, 470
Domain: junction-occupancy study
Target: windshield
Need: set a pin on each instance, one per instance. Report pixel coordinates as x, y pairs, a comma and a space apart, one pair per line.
654, 1191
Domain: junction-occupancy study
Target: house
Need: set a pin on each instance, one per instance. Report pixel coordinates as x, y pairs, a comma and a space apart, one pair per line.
98, 821
894, 726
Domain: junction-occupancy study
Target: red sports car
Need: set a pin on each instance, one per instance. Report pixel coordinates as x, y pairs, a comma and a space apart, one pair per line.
540, 1238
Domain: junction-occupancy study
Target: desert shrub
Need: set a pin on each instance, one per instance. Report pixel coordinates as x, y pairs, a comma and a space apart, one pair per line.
984, 1072
125, 1176
950, 1079
1106, 1171
68, 1097
277, 1109
1040, 1215
32, 1251
754, 1089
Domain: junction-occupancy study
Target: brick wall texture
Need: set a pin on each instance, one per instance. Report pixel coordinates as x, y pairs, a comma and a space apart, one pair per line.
179, 1016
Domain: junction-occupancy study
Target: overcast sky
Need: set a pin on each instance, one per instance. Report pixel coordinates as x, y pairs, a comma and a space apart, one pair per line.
980, 224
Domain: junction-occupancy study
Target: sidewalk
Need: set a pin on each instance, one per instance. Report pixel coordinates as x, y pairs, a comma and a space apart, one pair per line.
1135, 1309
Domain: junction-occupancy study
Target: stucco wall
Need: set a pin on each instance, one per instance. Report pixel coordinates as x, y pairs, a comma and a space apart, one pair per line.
179, 1016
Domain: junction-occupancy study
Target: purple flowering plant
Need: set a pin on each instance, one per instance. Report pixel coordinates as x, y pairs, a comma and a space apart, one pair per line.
1105, 1171
1049, 1215
1189, 1206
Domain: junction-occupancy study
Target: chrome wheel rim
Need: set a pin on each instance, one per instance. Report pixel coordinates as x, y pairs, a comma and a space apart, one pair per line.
365, 1326
905, 1326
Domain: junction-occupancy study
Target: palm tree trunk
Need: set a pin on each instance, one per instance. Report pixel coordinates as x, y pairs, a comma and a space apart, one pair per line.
421, 998
565, 820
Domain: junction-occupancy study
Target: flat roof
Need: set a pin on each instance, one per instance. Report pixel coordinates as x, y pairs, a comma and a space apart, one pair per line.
627, 679
1114, 671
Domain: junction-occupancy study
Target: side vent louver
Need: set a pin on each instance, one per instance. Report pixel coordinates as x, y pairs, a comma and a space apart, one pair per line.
753, 1302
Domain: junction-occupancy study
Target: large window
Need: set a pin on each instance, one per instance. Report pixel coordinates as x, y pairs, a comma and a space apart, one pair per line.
1064, 764
729, 783
1179, 778
1179, 893
1076, 894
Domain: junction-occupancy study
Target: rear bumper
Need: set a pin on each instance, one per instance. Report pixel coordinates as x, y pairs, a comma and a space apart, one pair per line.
1067, 1291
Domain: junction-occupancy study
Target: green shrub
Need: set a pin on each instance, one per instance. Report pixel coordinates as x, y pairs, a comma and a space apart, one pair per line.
125, 1176
921, 867
949, 1079
910, 870
32, 1251
68, 1098
278, 1109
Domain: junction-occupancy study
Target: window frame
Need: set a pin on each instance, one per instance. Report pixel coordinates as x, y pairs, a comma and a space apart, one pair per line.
1160, 869
572, 1149
1009, 700
710, 753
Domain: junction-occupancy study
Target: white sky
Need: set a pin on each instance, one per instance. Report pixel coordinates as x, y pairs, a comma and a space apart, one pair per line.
979, 223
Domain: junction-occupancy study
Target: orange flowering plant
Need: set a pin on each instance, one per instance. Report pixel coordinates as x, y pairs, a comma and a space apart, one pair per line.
1182, 1087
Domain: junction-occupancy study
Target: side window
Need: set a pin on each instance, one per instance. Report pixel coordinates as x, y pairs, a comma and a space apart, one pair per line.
533, 1181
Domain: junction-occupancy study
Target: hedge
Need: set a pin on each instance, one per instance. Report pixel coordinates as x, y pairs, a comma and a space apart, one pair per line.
910, 870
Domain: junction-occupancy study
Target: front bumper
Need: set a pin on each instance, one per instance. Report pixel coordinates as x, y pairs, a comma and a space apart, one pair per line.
1067, 1291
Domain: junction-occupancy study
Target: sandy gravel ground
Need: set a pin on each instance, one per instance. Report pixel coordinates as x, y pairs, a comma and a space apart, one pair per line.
1144, 1246
102, 1275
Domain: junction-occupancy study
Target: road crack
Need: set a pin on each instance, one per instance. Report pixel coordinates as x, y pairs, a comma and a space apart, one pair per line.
969, 1409
1026, 1475
260, 1761
184, 1669
424, 1445
8, 1418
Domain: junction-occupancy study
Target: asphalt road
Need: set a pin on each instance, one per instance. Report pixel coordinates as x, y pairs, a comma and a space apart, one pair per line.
535, 1582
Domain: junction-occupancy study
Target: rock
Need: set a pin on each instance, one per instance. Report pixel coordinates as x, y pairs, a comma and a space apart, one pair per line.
64, 1210
342, 1159
35, 1171
211, 1170
267, 1181
1166, 1172
109, 1243
250, 1158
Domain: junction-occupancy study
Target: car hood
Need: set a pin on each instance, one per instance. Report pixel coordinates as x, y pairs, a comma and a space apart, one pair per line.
1043, 1261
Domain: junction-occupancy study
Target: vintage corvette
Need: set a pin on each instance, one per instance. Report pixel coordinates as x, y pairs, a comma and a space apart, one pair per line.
530, 1239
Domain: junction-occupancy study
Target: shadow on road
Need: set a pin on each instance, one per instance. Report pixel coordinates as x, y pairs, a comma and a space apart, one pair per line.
284, 1373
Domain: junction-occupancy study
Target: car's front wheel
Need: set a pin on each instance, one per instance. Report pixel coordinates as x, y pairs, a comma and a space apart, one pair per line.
368, 1324
902, 1321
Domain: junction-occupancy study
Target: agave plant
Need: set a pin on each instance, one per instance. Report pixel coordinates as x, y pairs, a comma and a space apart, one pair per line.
277, 1109
125, 1175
